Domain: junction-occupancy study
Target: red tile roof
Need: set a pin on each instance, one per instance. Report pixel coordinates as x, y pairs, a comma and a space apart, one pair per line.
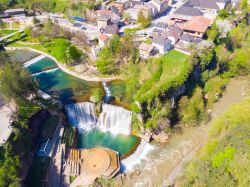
197, 24
103, 37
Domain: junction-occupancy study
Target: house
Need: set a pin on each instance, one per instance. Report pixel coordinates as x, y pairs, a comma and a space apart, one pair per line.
160, 5
184, 13
146, 50
123, 4
173, 34
222, 3
110, 30
157, 7
186, 39
106, 17
161, 26
3, 15
196, 26
103, 21
162, 44
20, 12
205, 6
154, 10
103, 40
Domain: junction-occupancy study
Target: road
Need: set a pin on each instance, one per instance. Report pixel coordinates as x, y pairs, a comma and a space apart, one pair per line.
5, 116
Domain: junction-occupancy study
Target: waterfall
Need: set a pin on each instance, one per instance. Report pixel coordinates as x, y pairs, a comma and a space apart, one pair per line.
114, 119
46, 71
107, 92
140, 154
33, 60
82, 115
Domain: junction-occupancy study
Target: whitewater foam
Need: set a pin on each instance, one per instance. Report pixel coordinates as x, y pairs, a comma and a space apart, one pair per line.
46, 71
114, 119
33, 60
137, 157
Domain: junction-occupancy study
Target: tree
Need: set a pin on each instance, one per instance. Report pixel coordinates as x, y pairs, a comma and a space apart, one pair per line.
74, 53
192, 109
143, 20
224, 27
35, 21
237, 36
105, 62
16, 82
223, 13
1, 24
114, 45
213, 34
98, 94
244, 4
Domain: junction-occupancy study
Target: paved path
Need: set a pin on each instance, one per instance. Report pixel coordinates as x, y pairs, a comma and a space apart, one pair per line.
10, 35
5, 114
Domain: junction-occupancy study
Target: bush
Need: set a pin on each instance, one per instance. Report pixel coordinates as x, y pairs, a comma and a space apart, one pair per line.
192, 110
135, 108
98, 94
214, 89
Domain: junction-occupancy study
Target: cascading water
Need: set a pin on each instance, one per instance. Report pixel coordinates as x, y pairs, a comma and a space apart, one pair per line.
82, 116
33, 60
107, 92
141, 152
115, 119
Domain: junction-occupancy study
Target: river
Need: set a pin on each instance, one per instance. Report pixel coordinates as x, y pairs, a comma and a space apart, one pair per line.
164, 165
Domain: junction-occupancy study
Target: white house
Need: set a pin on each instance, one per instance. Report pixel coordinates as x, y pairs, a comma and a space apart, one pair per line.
162, 44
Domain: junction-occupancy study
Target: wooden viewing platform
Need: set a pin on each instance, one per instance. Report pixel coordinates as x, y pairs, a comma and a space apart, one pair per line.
89, 164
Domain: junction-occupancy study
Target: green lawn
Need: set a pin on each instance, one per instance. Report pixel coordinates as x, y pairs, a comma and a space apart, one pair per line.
38, 172
56, 48
171, 71
173, 65
6, 32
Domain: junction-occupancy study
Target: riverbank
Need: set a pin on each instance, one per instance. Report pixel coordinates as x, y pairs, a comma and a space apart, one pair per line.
91, 78
164, 165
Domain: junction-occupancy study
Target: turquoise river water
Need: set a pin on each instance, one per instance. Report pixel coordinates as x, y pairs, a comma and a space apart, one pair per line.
55, 82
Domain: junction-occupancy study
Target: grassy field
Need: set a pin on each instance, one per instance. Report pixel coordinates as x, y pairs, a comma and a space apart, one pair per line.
56, 48
6, 32
38, 172
169, 71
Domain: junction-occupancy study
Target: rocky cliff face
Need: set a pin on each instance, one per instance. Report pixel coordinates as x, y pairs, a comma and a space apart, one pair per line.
35, 122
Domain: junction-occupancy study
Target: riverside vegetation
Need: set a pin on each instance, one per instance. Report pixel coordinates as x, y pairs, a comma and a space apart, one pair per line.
224, 161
